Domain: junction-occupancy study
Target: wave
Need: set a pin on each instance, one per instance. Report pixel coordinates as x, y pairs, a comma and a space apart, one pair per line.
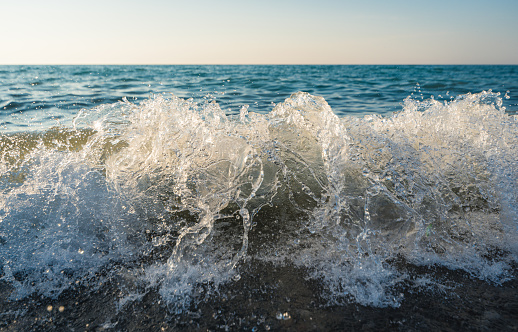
174, 195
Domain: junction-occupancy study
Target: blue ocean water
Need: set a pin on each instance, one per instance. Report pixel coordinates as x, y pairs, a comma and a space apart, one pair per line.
48, 94
258, 197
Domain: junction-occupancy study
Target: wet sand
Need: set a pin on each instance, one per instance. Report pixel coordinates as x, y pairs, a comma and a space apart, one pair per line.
276, 298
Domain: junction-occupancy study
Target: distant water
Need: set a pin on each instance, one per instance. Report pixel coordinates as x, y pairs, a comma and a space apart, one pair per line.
38, 97
258, 197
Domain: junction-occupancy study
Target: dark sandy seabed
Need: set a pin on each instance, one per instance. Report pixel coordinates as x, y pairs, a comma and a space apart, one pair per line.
277, 298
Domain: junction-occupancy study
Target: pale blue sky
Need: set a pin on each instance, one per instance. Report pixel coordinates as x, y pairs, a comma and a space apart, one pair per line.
259, 32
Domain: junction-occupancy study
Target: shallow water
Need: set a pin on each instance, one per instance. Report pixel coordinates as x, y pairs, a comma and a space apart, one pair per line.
322, 211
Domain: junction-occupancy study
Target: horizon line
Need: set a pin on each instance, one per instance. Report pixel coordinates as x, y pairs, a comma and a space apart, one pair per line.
260, 64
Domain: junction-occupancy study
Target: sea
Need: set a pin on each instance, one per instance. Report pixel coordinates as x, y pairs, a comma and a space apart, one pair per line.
259, 198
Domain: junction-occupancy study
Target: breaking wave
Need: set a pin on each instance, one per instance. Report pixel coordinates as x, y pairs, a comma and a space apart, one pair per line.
174, 195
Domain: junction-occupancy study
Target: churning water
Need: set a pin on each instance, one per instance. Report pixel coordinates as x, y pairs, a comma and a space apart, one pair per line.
235, 202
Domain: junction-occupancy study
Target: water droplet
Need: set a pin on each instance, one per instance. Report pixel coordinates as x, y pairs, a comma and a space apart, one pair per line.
283, 316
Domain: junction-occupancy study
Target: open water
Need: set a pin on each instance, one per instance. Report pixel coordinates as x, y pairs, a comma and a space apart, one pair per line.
258, 198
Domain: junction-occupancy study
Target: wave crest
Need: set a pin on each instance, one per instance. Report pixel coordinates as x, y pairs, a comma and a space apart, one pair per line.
182, 194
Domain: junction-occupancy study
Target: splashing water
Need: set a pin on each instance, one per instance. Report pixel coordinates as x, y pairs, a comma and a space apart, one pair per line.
178, 195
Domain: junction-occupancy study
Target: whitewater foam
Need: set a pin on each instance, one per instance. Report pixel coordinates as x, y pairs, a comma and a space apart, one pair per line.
181, 194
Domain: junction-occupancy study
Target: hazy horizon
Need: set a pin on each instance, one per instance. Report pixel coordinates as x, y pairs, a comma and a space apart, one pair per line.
159, 32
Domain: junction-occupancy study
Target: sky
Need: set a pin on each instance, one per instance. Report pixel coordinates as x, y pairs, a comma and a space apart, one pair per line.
259, 32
